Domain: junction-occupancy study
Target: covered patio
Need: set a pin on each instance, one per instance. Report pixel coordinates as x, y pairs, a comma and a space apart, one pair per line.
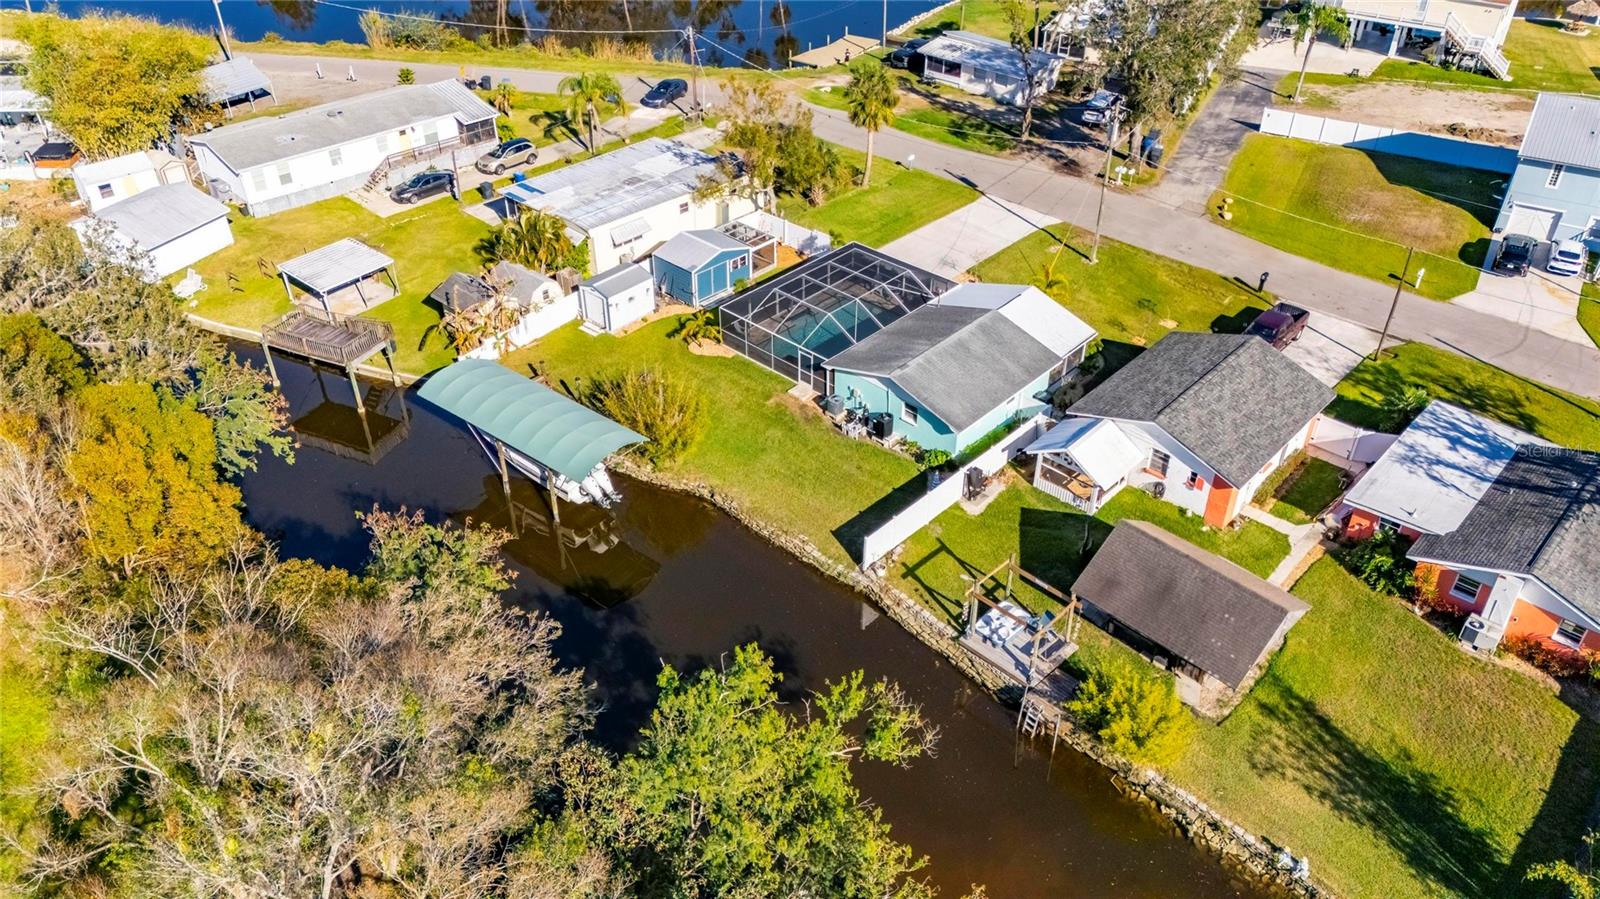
343, 276
763, 246
1083, 461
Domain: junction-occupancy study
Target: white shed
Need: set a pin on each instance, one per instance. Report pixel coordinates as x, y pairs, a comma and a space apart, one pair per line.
612, 300
113, 180
173, 225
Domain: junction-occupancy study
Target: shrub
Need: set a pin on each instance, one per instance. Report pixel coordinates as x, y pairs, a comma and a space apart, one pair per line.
1553, 660
1425, 589
272, 37
1402, 406
406, 75
1134, 714
662, 406
933, 458
1381, 562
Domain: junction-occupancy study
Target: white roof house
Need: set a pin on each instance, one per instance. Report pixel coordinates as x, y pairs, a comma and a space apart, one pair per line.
277, 163
1438, 469
170, 225
630, 199
979, 64
116, 179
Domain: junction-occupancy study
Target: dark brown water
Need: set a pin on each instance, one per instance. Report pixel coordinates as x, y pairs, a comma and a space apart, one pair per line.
666, 578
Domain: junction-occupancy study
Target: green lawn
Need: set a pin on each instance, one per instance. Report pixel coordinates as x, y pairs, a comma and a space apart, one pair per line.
1053, 541
775, 456
1130, 295
1299, 491
1400, 765
978, 16
899, 201
1550, 413
916, 116
1376, 205
542, 118
1589, 311
1542, 57
427, 242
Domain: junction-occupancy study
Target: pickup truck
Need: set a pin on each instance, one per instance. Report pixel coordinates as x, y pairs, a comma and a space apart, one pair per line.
1281, 325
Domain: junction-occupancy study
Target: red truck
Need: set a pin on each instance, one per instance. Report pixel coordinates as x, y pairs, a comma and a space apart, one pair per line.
1281, 325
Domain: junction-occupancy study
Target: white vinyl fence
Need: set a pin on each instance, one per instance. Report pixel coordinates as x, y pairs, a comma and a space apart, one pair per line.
533, 326
1399, 142
927, 507
805, 240
1347, 441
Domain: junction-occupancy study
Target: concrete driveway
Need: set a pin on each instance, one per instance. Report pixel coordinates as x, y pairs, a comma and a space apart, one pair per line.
1537, 300
955, 243
1330, 347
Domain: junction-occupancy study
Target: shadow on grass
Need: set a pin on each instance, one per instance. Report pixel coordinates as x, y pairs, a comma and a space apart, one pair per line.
1472, 190
1558, 827
1385, 794
1384, 378
852, 534
947, 602
1055, 545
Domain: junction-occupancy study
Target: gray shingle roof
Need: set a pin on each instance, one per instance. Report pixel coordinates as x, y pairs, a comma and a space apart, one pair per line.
268, 140
1564, 129
1540, 517
960, 362
1230, 398
461, 291
161, 214
232, 79
336, 265
1204, 608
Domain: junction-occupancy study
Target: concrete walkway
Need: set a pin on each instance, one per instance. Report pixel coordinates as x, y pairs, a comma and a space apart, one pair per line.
956, 242
1302, 539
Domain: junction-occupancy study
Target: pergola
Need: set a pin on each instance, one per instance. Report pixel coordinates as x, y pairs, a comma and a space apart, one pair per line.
816, 310
337, 275
763, 246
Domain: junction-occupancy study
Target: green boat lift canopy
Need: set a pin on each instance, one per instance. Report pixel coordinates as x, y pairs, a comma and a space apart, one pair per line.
558, 433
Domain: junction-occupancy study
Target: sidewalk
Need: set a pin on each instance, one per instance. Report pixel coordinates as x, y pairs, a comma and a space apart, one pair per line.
1302, 539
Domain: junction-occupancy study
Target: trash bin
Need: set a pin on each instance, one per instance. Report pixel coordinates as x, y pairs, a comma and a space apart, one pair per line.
485, 83
1153, 157
518, 177
487, 189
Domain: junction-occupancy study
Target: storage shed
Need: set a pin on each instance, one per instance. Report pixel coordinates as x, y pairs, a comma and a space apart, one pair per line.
614, 299
699, 266
172, 225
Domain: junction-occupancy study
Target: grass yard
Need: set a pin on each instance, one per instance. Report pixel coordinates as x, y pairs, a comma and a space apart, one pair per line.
899, 201
1299, 491
1553, 414
1542, 57
1400, 765
427, 242
1131, 295
1376, 203
916, 115
775, 456
978, 16
542, 118
1589, 311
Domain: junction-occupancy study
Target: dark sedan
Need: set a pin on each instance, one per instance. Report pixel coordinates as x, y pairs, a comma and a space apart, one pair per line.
1281, 325
903, 55
423, 186
666, 92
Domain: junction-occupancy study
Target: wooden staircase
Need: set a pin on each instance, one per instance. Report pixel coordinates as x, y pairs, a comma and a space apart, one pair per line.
407, 157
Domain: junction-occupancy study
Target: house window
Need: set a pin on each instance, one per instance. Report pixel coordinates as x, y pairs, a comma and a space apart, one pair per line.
284, 178
908, 413
1159, 462
942, 67
106, 192
1555, 175
683, 208
1388, 524
258, 179
336, 156
1466, 588
1569, 632
1195, 482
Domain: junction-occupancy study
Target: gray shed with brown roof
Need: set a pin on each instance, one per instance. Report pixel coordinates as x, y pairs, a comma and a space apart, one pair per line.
1202, 608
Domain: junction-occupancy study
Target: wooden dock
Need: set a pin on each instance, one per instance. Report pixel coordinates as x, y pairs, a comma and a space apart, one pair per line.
341, 341
840, 51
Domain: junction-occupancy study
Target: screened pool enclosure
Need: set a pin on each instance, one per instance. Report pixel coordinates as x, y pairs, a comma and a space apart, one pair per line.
795, 322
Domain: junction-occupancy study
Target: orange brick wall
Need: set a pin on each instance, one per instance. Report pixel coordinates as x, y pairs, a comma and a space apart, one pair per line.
1360, 525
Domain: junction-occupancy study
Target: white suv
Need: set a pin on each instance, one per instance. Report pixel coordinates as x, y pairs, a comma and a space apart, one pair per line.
1567, 258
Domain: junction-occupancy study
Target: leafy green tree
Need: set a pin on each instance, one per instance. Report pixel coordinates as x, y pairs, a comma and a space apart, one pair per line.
247, 415
663, 406
698, 328
1580, 883
1380, 561
1136, 715
1306, 22
117, 84
38, 368
536, 239
728, 794
870, 97
1019, 33
145, 468
587, 93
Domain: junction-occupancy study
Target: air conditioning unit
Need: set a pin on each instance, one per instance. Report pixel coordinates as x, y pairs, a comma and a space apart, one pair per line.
1158, 489
1480, 634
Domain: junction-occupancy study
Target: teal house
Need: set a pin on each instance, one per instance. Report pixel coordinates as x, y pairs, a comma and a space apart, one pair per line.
956, 368
698, 267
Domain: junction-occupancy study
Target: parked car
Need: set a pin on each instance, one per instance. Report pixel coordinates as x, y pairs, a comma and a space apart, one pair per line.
1102, 107
516, 151
1281, 325
1567, 257
666, 92
902, 55
423, 186
1516, 252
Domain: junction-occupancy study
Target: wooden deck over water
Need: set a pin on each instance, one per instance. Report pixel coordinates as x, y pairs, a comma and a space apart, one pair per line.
327, 337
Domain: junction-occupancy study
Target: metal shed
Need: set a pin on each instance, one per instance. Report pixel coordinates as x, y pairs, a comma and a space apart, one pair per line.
336, 274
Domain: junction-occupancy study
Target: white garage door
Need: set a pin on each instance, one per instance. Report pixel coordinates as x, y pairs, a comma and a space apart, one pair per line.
1539, 224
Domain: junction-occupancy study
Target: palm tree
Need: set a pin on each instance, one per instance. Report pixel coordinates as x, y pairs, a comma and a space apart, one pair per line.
586, 93
870, 98
503, 95
1310, 20
699, 327
535, 238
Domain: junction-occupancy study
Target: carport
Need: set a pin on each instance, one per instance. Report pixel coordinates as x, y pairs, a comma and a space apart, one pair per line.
343, 276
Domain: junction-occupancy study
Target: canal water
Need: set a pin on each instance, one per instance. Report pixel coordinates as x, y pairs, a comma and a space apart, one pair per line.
667, 578
763, 32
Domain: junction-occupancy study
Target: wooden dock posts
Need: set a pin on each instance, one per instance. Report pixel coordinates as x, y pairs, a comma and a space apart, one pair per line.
343, 342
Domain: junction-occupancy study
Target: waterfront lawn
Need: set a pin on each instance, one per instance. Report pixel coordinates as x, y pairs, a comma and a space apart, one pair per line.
1542, 57
1299, 491
1358, 211
899, 201
1053, 541
917, 115
977, 16
1131, 295
1400, 765
773, 455
1553, 414
427, 242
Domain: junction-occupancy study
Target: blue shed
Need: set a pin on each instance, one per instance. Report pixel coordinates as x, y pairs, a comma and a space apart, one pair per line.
696, 267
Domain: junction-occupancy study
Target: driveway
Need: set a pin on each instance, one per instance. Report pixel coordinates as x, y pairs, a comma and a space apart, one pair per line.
1537, 300
1208, 147
955, 243
1330, 347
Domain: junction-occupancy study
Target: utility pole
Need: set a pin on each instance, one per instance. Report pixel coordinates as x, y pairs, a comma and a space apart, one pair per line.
1384, 335
886, 23
222, 29
694, 60
1105, 181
